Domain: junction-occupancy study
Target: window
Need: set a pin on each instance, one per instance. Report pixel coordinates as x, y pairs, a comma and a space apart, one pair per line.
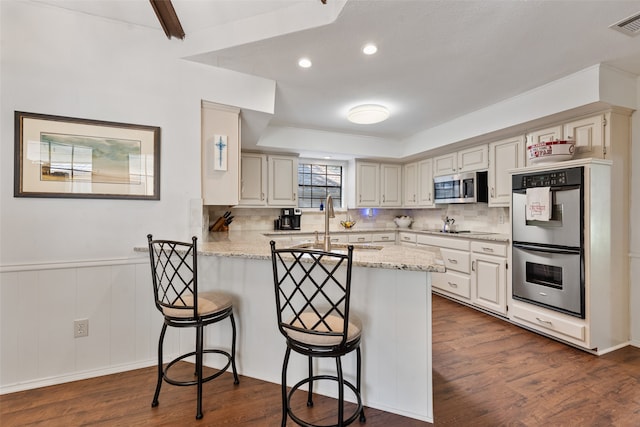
316, 181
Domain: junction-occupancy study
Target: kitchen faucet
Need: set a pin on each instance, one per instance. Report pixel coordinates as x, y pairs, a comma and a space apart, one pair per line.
328, 213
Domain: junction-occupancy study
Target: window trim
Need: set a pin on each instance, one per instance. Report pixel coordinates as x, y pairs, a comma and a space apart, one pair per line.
329, 162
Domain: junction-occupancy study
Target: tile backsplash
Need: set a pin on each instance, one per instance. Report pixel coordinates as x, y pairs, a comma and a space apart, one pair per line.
473, 216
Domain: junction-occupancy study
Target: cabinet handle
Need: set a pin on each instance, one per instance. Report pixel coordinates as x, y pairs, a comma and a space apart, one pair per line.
492, 192
452, 261
361, 239
453, 285
548, 322
360, 198
294, 196
384, 238
429, 196
487, 249
473, 266
261, 196
407, 238
383, 198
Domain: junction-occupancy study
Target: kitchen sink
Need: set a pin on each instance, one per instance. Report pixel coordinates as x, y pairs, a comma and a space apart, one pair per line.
338, 247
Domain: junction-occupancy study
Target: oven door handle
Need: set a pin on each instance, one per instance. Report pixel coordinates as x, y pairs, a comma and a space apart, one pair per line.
546, 249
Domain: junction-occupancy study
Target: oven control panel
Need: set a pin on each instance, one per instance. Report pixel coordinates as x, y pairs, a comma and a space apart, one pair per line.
557, 178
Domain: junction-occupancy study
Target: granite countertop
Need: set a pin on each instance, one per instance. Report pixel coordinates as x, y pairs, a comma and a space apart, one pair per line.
255, 245
477, 235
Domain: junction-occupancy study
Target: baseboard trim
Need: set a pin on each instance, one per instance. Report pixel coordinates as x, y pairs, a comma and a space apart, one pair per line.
76, 376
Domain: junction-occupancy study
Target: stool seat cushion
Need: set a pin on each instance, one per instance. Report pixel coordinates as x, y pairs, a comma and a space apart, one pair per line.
335, 324
210, 302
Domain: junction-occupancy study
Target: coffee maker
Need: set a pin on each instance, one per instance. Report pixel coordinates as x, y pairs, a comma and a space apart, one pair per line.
289, 219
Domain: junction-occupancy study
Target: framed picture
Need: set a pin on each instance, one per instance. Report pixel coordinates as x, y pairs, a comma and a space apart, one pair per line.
69, 157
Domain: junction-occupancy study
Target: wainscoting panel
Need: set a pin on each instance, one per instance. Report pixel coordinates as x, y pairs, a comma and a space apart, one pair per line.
38, 306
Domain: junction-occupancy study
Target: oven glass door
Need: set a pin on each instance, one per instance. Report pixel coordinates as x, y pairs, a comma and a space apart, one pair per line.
563, 229
551, 277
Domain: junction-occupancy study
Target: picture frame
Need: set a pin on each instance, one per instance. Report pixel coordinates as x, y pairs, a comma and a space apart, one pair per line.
69, 157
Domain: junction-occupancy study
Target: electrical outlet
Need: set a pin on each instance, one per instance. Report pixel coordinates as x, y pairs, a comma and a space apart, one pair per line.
81, 328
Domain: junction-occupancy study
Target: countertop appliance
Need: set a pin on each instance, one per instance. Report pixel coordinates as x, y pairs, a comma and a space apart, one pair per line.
470, 187
289, 219
548, 252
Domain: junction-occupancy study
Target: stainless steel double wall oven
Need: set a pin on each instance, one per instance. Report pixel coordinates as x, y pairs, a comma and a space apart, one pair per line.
548, 256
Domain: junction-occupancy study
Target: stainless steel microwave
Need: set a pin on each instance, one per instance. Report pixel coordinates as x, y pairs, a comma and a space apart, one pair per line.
470, 187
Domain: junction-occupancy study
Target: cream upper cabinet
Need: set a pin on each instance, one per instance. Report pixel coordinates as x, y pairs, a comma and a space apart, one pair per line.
425, 183
220, 159
473, 159
468, 160
390, 185
445, 165
283, 181
588, 135
253, 179
410, 187
503, 155
367, 184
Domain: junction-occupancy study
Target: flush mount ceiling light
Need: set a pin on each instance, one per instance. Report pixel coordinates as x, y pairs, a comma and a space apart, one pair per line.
304, 62
369, 49
368, 114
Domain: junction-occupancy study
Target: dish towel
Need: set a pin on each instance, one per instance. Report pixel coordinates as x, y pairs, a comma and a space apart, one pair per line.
539, 204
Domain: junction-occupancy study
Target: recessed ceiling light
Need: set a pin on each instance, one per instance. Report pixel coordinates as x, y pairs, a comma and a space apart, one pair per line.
368, 114
370, 49
304, 62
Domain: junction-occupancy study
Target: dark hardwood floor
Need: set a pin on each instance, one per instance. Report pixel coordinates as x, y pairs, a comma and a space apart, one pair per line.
486, 373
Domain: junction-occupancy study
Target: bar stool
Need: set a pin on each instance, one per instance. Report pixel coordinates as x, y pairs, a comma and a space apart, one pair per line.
174, 270
313, 290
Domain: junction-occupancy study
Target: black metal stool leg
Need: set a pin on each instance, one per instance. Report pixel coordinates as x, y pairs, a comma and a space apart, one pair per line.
285, 404
310, 392
199, 344
358, 379
154, 402
233, 350
340, 392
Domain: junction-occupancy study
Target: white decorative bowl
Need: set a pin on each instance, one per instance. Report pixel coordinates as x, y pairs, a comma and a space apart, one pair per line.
403, 222
551, 151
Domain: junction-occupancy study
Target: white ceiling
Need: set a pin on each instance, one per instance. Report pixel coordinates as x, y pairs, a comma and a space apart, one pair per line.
437, 60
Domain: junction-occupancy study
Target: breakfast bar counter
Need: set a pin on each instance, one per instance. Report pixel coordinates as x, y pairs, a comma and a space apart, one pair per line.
391, 293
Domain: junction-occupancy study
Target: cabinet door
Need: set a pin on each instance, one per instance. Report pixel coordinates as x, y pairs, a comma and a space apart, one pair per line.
391, 185
503, 155
473, 159
283, 181
410, 187
445, 165
588, 135
543, 135
489, 282
367, 184
425, 183
253, 179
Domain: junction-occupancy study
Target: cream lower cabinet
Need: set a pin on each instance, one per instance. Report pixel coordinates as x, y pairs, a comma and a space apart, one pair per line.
489, 276
476, 271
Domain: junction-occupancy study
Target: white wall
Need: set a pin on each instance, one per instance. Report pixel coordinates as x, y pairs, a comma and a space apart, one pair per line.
635, 226
64, 259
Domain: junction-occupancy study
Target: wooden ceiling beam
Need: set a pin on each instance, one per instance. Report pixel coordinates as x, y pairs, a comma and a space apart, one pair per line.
168, 18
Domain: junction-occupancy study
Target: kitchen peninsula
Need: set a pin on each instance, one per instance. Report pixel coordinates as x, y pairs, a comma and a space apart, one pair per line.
391, 293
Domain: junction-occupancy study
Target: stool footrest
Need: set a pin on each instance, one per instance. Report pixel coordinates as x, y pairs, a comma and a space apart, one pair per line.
314, 378
172, 381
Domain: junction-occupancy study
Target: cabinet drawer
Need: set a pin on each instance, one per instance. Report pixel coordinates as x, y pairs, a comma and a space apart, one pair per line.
383, 237
452, 282
456, 260
338, 238
443, 242
553, 324
359, 238
407, 237
489, 248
